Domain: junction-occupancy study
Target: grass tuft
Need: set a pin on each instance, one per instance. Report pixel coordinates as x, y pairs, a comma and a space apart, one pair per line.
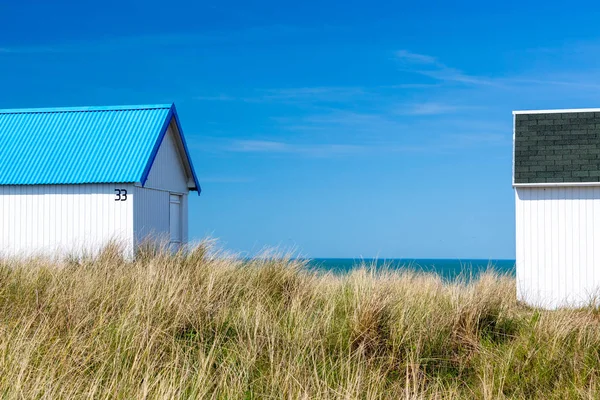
200, 324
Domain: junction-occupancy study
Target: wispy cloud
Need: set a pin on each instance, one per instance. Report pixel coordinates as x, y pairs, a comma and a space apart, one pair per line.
267, 33
415, 58
342, 122
28, 50
462, 140
275, 147
259, 146
218, 97
226, 179
411, 86
323, 93
581, 81
437, 143
431, 67
300, 95
430, 108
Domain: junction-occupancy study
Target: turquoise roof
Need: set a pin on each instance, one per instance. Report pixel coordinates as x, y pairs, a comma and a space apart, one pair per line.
83, 144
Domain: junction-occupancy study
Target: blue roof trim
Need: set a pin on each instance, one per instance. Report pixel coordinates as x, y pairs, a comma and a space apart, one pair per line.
161, 136
187, 153
163, 131
83, 109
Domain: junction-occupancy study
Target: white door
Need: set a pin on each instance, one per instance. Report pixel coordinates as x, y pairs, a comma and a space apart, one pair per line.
175, 220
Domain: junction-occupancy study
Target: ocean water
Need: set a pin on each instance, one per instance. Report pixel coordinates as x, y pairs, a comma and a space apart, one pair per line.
448, 269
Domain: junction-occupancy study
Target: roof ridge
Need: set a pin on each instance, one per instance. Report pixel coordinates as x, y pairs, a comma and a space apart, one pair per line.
85, 109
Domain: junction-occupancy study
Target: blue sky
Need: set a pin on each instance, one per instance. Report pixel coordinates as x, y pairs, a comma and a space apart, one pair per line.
354, 129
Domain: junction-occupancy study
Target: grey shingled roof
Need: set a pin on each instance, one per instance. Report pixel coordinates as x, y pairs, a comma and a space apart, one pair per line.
557, 147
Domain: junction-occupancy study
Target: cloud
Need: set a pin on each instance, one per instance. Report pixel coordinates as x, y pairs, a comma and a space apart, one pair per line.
430, 108
219, 97
580, 82
447, 74
349, 124
433, 144
415, 58
266, 33
411, 86
322, 93
275, 147
430, 66
300, 95
28, 50
482, 138
226, 179
259, 146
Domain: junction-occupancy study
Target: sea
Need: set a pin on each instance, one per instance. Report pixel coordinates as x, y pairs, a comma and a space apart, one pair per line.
448, 269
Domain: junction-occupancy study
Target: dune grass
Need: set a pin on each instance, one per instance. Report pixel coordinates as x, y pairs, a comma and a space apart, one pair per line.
199, 325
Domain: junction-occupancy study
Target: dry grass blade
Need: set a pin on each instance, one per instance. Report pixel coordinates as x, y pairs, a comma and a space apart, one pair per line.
200, 324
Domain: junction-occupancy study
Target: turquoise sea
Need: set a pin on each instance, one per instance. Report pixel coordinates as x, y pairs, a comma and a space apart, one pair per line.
446, 268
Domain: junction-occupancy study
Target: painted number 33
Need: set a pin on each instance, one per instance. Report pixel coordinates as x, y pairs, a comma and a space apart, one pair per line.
120, 195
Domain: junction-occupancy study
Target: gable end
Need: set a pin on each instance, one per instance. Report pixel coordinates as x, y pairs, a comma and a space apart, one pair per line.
173, 126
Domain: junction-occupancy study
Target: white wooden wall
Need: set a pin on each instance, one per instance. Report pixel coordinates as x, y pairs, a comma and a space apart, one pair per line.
167, 172
558, 231
151, 214
60, 219
167, 175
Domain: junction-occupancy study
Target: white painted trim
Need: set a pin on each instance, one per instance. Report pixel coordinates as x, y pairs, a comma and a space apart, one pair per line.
566, 110
514, 149
157, 189
555, 184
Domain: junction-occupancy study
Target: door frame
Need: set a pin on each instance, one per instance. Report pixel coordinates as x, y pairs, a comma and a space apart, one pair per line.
178, 200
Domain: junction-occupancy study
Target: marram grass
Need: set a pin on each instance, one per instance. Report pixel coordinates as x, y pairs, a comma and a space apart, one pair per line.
201, 325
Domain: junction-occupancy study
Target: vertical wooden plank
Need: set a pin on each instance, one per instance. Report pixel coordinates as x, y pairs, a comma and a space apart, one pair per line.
568, 243
519, 242
595, 237
4, 224
575, 240
544, 256
46, 217
589, 237
551, 227
527, 263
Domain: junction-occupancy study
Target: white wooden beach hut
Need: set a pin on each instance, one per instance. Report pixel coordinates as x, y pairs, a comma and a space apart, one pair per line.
556, 176
73, 179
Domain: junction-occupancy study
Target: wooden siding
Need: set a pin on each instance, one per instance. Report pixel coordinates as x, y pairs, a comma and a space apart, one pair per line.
151, 208
167, 172
61, 219
151, 214
557, 233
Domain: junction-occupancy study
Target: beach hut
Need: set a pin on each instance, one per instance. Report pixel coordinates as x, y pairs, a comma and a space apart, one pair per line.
74, 179
556, 176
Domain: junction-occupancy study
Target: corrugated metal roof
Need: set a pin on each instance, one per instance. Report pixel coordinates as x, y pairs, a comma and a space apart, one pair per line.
82, 144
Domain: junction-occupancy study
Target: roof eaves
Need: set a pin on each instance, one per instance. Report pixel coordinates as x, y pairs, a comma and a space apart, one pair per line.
187, 153
557, 111
84, 109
